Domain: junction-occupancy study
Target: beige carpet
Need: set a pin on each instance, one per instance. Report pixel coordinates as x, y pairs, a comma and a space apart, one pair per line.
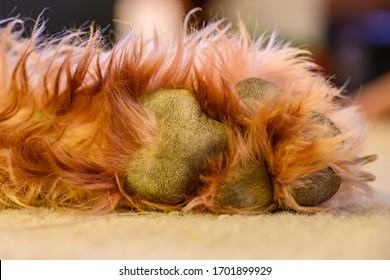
351, 233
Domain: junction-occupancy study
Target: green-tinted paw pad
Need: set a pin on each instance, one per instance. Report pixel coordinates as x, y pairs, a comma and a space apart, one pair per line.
248, 186
170, 168
318, 188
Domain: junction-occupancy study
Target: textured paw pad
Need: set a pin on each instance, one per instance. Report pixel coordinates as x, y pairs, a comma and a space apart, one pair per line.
318, 187
170, 167
249, 186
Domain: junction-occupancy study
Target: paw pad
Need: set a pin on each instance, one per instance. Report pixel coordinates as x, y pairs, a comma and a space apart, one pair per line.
248, 186
169, 168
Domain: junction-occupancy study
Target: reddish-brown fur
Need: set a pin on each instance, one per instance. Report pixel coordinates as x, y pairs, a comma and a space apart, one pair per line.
70, 119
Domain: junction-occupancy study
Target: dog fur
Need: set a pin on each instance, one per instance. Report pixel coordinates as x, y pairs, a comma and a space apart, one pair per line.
71, 119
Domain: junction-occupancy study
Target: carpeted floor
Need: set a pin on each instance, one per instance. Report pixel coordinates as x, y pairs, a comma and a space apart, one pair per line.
351, 233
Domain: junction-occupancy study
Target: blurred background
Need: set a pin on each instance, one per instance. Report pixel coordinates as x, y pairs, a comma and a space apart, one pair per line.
350, 39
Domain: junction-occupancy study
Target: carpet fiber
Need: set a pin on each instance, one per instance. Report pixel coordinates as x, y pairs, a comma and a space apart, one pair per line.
350, 233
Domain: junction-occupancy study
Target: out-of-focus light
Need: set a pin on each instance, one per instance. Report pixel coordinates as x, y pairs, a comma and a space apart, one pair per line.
376, 27
148, 16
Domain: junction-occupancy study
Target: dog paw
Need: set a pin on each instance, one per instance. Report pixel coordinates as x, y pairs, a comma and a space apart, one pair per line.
170, 167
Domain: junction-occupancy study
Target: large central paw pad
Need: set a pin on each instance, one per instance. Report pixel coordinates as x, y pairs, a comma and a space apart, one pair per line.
168, 169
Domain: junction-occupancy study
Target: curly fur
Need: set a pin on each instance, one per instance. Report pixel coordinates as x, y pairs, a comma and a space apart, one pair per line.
71, 120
